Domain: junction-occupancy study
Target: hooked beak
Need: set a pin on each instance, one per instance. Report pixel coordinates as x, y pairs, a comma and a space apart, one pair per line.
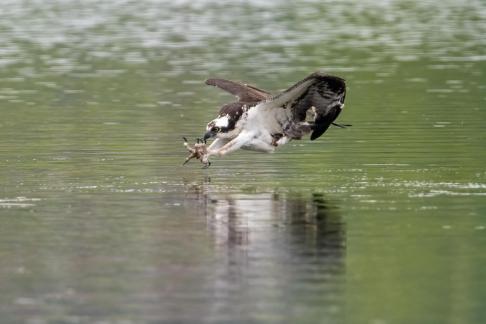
208, 135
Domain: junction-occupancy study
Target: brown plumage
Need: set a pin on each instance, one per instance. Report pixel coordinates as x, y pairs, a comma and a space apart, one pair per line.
244, 92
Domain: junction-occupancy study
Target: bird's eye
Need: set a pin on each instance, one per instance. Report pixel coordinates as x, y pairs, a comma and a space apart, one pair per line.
216, 129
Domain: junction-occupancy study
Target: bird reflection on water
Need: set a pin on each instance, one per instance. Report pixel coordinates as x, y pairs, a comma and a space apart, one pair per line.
277, 255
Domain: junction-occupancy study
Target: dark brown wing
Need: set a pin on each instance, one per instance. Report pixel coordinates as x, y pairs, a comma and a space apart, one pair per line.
321, 92
326, 97
244, 92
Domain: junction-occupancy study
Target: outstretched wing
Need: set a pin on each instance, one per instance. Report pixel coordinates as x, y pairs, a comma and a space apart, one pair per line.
244, 92
322, 93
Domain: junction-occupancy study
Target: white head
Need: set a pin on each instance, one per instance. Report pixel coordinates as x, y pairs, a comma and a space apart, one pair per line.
221, 124
225, 123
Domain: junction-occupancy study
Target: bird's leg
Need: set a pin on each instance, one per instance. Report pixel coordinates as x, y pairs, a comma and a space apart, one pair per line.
236, 143
216, 144
262, 146
214, 147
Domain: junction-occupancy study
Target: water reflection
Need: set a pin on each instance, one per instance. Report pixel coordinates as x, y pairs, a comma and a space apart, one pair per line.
278, 256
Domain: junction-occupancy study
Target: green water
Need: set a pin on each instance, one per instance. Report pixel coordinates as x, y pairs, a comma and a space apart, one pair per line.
382, 222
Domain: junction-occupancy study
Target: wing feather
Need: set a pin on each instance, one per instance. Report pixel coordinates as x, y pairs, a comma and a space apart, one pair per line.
244, 92
321, 92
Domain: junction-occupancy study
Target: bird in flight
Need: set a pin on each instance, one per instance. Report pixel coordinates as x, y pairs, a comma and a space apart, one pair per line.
260, 121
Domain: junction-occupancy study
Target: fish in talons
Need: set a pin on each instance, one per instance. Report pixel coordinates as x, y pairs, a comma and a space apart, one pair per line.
198, 151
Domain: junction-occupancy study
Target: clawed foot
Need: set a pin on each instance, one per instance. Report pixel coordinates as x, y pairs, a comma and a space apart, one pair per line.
206, 165
205, 161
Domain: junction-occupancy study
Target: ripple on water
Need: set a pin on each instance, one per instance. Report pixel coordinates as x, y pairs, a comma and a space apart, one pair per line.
18, 202
425, 189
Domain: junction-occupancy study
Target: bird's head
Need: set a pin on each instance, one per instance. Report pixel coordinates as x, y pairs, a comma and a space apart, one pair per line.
218, 126
225, 125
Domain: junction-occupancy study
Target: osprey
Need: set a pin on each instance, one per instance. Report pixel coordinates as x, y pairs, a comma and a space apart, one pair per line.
261, 122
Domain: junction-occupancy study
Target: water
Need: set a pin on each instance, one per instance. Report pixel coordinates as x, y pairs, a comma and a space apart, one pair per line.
382, 222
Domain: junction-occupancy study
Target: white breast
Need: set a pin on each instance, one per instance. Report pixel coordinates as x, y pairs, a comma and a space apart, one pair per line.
267, 120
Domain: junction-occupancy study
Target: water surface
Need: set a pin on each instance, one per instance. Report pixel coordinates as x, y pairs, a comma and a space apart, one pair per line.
382, 222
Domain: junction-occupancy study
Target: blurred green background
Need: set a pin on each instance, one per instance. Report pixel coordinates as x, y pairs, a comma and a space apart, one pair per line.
382, 222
